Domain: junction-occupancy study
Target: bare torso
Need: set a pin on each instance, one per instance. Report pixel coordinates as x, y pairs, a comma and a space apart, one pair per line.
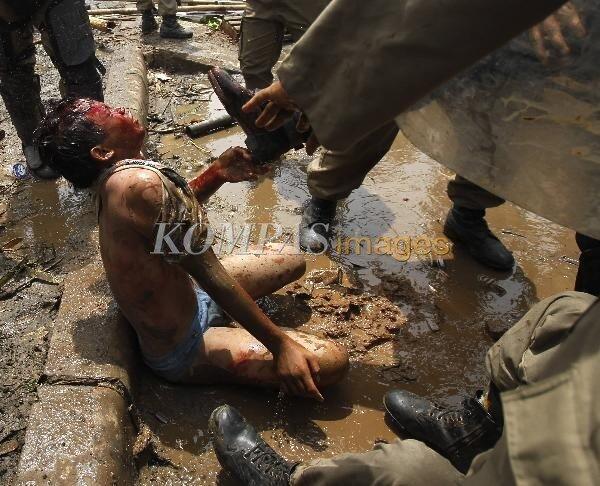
156, 297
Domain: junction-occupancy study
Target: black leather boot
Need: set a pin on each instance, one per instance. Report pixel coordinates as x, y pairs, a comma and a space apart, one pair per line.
170, 28
457, 434
315, 225
35, 164
468, 226
149, 23
244, 453
588, 273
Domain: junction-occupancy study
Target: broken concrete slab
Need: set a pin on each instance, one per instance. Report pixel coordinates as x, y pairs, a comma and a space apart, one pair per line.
92, 342
77, 435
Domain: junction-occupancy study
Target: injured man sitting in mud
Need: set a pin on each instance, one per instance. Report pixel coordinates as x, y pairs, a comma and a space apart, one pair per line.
174, 298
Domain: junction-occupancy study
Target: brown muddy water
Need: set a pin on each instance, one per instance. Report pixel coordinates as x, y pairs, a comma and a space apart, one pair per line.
419, 322
442, 303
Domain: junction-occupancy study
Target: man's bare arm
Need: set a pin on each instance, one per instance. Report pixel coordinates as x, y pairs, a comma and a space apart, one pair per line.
234, 165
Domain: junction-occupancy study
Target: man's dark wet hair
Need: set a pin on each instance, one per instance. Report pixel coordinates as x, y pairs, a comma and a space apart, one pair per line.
64, 140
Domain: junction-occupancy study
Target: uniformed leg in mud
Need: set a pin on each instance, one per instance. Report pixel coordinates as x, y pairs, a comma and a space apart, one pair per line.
333, 176
262, 32
545, 366
466, 224
170, 28
233, 355
68, 40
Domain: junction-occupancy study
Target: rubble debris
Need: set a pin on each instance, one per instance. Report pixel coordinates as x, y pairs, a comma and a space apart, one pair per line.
191, 8
102, 24
8, 276
513, 233
199, 129
497, 328
9, 446
360, 321
20, 171
571, 261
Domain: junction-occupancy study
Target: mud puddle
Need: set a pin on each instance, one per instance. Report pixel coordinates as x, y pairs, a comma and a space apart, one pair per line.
414, 312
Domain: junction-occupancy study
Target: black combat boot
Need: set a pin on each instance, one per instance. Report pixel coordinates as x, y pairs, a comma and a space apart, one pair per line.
244, 453
149, 23
468, 226
170, 28
315, 225
457, 434
35, 164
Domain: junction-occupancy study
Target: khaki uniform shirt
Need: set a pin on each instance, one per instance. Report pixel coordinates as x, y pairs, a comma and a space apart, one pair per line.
363, 64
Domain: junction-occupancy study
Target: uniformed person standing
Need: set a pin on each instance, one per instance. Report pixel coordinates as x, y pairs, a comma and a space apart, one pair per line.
334, 175
67, 38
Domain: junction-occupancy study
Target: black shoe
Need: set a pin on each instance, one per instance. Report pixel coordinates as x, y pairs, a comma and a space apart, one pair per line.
315, 225
243, 452
588, 273
265, 146
149, 23
35, 164
457, 434
170, 28
468, 226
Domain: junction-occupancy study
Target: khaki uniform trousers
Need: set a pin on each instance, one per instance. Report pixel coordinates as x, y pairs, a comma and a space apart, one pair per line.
261, 39
547, 368
165, 7
334, 175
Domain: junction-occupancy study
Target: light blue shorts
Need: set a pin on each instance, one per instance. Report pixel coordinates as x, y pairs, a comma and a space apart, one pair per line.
173, 365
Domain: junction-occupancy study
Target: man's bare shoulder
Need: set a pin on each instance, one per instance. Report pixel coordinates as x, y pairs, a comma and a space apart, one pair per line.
135, 194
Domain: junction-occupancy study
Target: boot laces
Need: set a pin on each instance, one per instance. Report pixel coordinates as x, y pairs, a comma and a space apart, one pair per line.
451, 416
267, 461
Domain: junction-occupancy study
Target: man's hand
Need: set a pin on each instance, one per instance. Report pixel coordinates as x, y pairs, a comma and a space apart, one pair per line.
280, 107
298, 370
551, 32
237, 164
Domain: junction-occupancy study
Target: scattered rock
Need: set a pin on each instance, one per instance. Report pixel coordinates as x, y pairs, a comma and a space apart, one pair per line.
9, 446
496, 329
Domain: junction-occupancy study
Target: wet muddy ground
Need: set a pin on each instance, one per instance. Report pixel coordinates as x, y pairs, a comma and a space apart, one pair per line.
420, 321
52, 227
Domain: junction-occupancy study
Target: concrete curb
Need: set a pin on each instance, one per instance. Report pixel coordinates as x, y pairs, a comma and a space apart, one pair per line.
80, 431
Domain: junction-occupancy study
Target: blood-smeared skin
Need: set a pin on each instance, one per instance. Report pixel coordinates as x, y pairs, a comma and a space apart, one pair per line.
116, 120
206, 183
254, 366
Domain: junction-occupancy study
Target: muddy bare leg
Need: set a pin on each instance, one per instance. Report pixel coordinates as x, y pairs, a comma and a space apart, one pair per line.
267, 272
233, 355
